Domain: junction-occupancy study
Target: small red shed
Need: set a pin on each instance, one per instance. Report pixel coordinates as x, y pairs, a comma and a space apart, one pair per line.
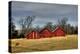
33, 35
58, 32
44, 33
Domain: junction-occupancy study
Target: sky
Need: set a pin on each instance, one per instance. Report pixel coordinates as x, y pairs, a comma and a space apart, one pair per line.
44, 13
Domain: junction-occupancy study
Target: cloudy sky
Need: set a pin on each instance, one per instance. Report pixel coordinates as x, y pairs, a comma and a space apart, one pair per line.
44, 12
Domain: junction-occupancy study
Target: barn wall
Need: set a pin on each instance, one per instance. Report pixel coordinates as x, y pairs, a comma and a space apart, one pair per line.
45, 34
33, 35
59, 32
53, 34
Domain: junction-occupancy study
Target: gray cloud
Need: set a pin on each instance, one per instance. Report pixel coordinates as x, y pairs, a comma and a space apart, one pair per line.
45, 12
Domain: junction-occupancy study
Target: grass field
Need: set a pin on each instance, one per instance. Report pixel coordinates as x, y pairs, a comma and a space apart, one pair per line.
44, 44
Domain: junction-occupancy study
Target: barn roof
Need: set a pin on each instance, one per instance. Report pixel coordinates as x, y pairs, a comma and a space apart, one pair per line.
45, 29
58, 27
31, 32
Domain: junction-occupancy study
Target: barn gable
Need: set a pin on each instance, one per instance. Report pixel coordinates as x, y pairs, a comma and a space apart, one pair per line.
58, 32
44, 33
33, 35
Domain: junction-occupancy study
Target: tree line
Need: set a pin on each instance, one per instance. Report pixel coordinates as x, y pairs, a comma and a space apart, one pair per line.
26, 27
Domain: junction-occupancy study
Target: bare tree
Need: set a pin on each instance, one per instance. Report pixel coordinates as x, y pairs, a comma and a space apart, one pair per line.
68, 28
76, 29
37, 28
62, 22
49, 25
25, 23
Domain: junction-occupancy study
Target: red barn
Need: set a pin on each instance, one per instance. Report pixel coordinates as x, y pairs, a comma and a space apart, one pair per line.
33, 35
58, 32
44, 33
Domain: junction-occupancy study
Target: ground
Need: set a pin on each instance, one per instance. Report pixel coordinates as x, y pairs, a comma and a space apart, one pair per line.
44, 44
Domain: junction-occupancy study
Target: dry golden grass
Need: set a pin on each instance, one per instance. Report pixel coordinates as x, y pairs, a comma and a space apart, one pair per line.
45, 44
